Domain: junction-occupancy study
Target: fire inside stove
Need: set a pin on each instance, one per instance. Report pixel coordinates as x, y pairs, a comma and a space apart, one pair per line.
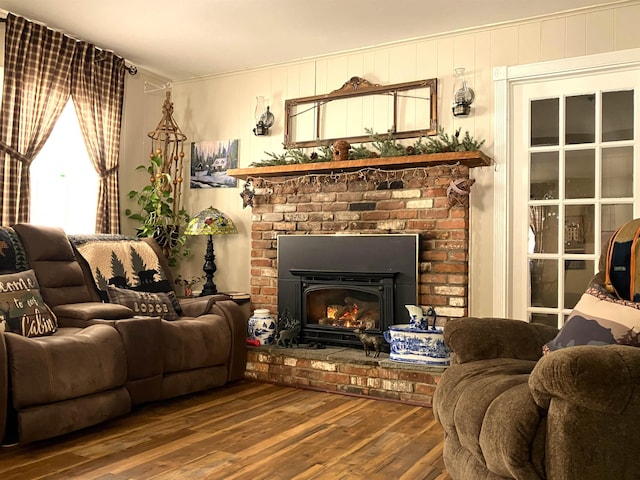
342, 316
335, 308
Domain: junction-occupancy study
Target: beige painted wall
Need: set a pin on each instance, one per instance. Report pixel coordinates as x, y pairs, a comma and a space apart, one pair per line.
141, 113
222, 107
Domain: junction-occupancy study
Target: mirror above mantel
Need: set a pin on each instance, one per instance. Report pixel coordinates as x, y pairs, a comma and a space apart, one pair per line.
359, 108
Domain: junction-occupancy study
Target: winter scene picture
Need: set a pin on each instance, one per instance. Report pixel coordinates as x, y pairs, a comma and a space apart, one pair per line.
210, 162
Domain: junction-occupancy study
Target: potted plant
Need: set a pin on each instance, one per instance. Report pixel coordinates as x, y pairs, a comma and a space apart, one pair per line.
157, 216
188, 283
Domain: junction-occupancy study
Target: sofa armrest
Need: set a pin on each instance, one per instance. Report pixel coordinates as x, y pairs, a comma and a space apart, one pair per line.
232, 313
473, 338
91, 310
196, 306
600, 378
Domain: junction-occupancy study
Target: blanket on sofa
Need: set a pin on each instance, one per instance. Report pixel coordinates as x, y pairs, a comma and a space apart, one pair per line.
13, 258
121, 261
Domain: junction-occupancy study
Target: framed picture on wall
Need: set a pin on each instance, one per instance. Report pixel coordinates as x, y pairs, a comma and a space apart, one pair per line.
210, 161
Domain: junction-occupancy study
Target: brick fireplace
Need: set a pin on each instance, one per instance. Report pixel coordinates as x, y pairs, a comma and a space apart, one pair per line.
404, 201
408, 197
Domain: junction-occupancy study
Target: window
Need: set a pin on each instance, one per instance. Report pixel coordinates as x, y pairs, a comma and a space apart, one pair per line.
64, 184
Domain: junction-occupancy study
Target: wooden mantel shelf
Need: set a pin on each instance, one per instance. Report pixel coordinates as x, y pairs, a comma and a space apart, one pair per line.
471, 159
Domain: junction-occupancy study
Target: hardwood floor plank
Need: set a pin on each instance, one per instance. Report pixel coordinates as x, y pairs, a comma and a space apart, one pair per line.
247, 430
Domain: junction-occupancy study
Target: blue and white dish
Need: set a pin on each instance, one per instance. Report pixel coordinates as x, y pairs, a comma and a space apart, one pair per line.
411, 345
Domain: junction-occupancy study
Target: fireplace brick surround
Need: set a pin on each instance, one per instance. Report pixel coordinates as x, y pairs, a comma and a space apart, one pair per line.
347, 371
410, 201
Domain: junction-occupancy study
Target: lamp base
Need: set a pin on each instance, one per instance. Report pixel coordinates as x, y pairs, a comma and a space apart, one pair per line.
209, 289
209, 269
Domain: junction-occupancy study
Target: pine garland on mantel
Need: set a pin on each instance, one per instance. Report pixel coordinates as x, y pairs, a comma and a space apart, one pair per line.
383, 146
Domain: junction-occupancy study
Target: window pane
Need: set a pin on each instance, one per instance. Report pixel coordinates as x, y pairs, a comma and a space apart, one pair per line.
544, 283
617, 172
544, 122
544, 176
580, 119
578, 229
62, 174
545, 319
612, 216
617, 116
543, 227
577, 275
580, 174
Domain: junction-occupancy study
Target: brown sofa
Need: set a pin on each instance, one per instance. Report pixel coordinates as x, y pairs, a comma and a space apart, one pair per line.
103, 359
509, 413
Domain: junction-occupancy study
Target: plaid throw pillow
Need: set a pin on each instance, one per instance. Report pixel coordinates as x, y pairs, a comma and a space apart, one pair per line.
144, 304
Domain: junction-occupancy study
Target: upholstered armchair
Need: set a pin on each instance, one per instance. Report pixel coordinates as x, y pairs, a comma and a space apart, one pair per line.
510, 412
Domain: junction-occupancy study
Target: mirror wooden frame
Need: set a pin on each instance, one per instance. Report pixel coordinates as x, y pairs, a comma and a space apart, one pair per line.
356, 87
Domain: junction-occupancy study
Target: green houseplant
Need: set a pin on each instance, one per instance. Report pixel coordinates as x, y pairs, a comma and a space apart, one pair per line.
157, 216
188, 283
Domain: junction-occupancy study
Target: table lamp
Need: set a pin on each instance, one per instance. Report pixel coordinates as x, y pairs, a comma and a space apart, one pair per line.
210, 221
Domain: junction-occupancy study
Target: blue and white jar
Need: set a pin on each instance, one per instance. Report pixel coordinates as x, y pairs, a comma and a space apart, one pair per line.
262, 326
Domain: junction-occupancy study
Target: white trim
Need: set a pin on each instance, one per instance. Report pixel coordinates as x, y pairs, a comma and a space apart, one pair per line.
504, 78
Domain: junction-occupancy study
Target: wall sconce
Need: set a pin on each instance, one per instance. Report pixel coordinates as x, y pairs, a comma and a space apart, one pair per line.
264, 118
463, 96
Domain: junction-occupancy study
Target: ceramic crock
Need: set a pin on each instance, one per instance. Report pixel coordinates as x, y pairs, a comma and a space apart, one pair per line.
262, 326
418, 342
411, 345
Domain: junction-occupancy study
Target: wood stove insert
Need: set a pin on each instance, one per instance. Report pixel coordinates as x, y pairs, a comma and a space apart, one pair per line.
336, 283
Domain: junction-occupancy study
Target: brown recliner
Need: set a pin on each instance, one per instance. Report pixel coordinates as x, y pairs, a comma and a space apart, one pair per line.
64, 382
204, 348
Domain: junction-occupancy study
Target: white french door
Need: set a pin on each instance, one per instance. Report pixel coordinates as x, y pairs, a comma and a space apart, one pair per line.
574, 179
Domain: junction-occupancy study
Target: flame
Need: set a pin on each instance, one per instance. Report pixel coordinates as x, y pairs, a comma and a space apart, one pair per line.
346, 319
350, 314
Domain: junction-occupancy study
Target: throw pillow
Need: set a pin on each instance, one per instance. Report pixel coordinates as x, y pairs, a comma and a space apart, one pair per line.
599, 318
22, 309
145, 304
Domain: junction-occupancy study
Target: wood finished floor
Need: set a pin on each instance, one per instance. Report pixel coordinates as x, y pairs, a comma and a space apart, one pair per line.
245, 431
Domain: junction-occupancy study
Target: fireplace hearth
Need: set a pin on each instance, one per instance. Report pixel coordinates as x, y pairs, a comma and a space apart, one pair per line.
336, 283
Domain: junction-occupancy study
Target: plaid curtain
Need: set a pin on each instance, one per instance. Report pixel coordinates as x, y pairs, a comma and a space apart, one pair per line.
37, 68
97, 89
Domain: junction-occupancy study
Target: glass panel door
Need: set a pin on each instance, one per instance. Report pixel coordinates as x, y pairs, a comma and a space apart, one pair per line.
575, 161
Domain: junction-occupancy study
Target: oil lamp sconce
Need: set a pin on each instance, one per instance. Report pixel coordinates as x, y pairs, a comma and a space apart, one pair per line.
463, 95
264, 118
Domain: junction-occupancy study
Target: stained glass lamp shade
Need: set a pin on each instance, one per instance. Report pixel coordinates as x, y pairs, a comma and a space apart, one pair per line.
210, 221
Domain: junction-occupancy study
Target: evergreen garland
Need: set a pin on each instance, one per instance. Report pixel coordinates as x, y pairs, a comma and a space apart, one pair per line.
444, 143
384, 145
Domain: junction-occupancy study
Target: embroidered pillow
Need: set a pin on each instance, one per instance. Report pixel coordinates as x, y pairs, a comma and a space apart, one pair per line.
599, 319
22, 309
145, 304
